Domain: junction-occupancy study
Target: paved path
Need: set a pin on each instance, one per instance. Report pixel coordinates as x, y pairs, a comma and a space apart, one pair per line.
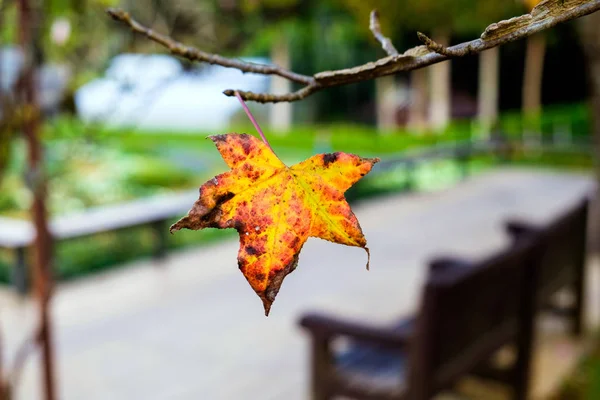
193, 329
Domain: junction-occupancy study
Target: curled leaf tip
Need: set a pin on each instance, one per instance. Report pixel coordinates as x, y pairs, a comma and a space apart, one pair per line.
267, 304
182, 223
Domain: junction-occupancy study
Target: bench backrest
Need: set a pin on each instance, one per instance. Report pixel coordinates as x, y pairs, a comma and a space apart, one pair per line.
469, 312
564, 252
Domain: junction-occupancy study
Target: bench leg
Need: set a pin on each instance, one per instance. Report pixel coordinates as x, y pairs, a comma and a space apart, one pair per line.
522, 369
320, 368
526, 337
578, 306
19, 272
578, 321
160, 229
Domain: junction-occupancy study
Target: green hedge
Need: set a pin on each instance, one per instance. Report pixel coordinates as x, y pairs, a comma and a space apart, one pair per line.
83, 256
142, 164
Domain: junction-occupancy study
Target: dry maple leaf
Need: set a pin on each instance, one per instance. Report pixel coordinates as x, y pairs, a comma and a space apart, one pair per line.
276, 208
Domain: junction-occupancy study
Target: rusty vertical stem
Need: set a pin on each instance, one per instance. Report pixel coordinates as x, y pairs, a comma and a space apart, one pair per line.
30, 42
3, 110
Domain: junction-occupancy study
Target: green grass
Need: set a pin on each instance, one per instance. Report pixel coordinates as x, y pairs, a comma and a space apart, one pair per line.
584, 383
574, 118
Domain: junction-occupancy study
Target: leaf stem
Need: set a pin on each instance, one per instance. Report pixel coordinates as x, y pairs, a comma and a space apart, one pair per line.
253, 120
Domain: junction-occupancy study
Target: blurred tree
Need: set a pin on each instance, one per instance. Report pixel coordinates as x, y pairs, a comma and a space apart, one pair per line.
251, 17
590, 37
280, 115
441, 18
533, 74
76, 37
6, 103
308, 35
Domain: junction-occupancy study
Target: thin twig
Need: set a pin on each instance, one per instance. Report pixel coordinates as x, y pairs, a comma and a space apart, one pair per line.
545, 15
194, 54
276, 98
253, 120
386, 43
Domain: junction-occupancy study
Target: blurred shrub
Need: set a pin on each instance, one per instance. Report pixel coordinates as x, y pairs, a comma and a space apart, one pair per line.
158, 173
84, 256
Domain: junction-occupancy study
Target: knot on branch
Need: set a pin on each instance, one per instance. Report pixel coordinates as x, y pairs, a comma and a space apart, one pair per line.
118, 14
444, 50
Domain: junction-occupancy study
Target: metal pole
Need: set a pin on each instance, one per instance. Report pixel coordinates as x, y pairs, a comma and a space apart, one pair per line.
30, 43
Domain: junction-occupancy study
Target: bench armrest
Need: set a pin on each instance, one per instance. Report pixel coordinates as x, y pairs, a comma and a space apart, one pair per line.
517, 228
329, 327
448, 263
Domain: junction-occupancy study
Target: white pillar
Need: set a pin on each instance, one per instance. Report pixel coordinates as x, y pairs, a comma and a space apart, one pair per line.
439, 88
488, 89
417, 112
280, 115
385, 103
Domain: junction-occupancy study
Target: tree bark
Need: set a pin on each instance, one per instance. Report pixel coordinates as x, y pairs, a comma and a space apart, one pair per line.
417, 118
590, 37
534, 71
30, 39
489, 65
280, 116
385, 93
440, 87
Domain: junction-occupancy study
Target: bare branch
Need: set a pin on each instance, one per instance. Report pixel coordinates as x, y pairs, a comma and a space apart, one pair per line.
444, 50
386, 43
545, 15
194, 54
276, 98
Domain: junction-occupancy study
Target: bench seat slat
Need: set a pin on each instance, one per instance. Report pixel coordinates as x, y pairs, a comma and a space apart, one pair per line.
16, 233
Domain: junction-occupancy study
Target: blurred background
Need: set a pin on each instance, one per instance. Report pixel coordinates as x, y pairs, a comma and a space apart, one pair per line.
142, 315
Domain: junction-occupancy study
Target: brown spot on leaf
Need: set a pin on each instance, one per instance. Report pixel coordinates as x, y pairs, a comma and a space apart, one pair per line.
251, 250
246, 144
212, 217
260, 276
294, 242
330, 158
219, 138
238, 225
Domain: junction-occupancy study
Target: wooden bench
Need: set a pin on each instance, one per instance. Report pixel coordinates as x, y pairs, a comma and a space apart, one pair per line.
157, 212
563, 262
468, 312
